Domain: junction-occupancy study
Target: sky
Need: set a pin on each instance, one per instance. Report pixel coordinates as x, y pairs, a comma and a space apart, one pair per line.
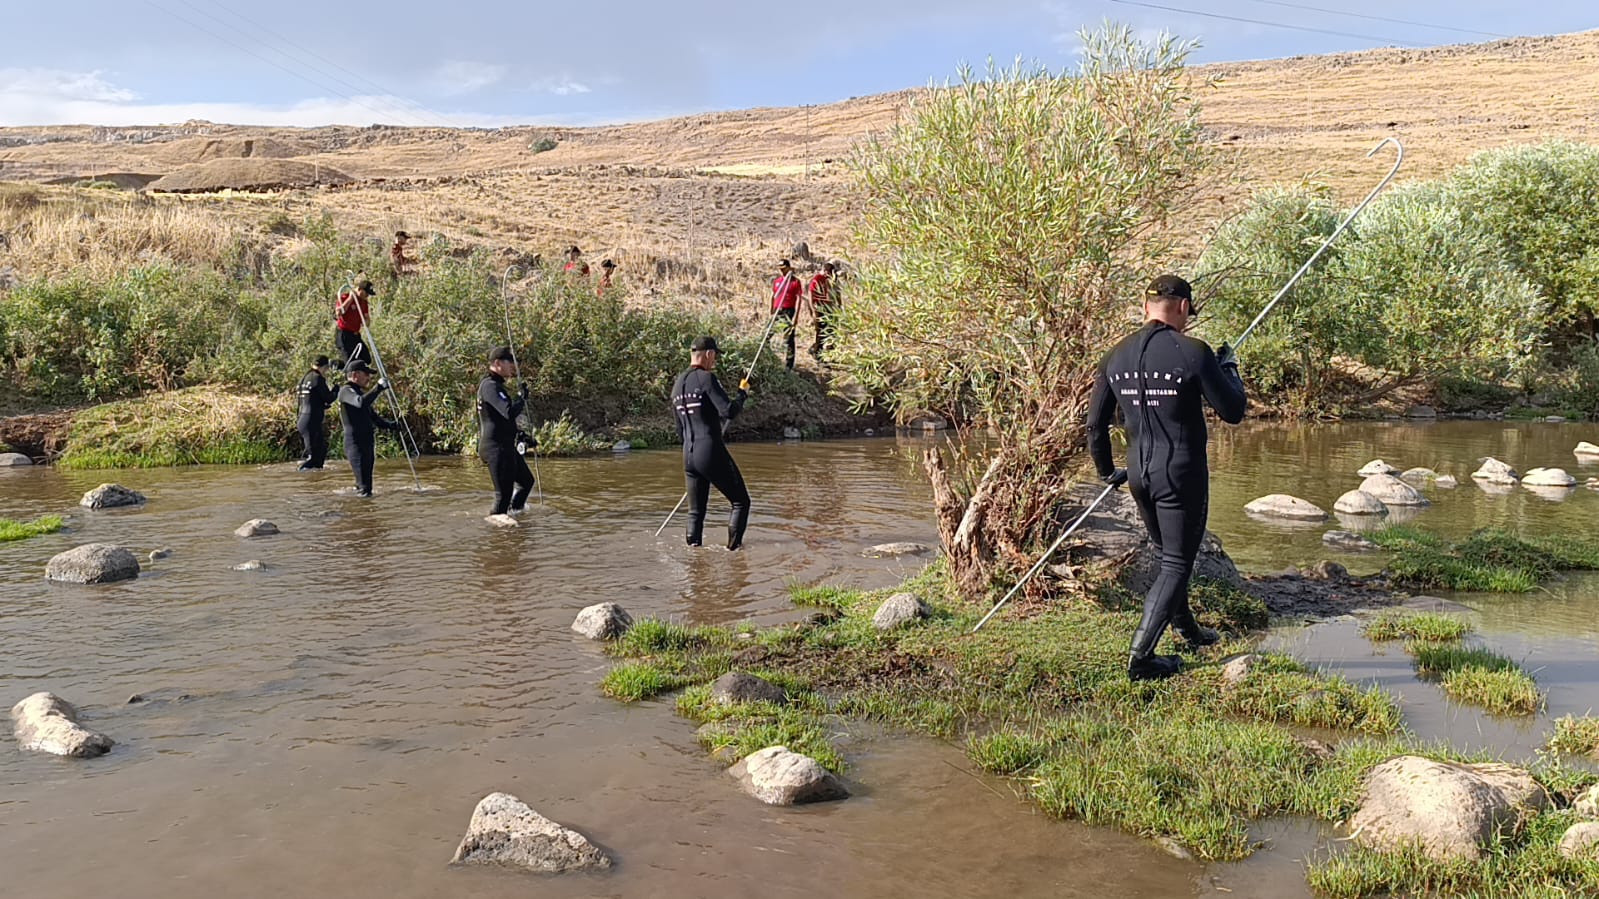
493, 63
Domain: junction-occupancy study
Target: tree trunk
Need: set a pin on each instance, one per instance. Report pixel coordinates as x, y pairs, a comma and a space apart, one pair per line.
960, 521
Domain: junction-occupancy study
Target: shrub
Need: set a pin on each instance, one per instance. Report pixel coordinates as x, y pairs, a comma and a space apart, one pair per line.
544, 145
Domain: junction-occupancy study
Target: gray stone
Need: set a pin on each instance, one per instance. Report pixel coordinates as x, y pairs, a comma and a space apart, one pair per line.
161, 553
928, 423
791, 433
1115, 535
903, 548
1494, 471
1586, 449
901, 608
251, 565
1238, 668
776, 776
47, 723
14, 460
1281, 505
1376, 466
1554, 419
1586, 804
1446, 481
603, 621
1329, 571
256, 527
1348, 541
736, 687
505, 831
1581, 841
1419, 474
110, 496
621, 446
1548, 477
93, 563
1359, 502
1318, 750
1421, 412
1392, 491
1450, 811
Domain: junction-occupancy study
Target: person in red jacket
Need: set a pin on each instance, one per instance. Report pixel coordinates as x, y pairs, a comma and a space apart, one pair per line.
349, 314
822, 294
607, 268
785, 304
397, 258
575, 266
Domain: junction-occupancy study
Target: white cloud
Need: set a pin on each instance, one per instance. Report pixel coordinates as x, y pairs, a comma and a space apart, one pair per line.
465, 77
559, 85
62, 85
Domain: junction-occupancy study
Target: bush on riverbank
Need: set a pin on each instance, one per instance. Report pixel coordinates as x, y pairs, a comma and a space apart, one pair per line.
198, 425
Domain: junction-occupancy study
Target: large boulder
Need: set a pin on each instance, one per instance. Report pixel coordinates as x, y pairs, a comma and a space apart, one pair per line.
1392, 491
1114, 534
1451, 811
1548, 477
1359, 502
1281, 505
110, 496
256, 527
1581, 841
1494, 471
737, 687
1376, 466
603, 621
505, 831
47, 723
93, 563
777, 776
14, 460
901, 608
1586, 449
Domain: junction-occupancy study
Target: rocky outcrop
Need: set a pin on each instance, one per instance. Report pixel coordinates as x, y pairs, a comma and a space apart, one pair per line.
1548, 477
110, 496
1281, 505
1348, 541
1450, 811
256, 527
1376, 466
1494, 471
777, 776
1581, 841
890, 550
603, 621
93, 563
899, 609
14, 460
736, 687
1359, 502
47, 723
505, 831
1392, 491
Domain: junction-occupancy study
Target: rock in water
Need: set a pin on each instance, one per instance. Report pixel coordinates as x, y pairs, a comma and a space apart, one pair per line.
621, 446
93, 563
1281, 505
1418, 474
504, 831
1586, 449
251, 565
776, 776
1421, 412
1348, 541
1392, 491
1581, 841
161, 553
903, 548
791, 433
901, 608
256, 527
1450, 810
47, 723
14, 460
603, 621
1359, 502
1495, 472
1548, 477
1446, 481
736, 687
109, 496
1376, 466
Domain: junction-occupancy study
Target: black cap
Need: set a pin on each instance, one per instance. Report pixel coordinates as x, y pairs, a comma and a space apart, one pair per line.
1170, 286
359, 365
319, 362
607, 264
365, 286
402, 235
502, 354
704, 345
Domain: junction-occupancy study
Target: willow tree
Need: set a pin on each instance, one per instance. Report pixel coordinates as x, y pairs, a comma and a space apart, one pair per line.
1012, 219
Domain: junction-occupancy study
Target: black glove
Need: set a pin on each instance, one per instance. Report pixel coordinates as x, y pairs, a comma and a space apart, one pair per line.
383, 383
1226, 357
526, 439
521, 391
1116, 478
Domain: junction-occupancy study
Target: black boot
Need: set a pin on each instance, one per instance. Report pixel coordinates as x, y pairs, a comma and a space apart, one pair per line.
1143, 664
1196, 634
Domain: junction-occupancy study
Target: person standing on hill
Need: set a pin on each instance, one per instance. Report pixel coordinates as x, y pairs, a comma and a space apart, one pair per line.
785, 304
498, 436
360, 421
315, 398
575, 267
1161, 379
607, 268
701, 407
822, 294
397, 258
350, 312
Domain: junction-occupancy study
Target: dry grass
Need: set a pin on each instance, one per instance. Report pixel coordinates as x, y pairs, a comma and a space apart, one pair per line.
99, 232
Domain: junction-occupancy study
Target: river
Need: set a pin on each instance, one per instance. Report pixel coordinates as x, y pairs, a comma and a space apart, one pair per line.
326, 725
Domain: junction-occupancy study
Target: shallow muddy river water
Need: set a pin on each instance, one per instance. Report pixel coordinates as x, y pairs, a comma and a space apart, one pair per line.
325, 726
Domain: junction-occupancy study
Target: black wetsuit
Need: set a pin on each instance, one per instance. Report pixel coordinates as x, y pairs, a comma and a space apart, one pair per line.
360, 420
701, 405
496, 444
1161, 380
315, 398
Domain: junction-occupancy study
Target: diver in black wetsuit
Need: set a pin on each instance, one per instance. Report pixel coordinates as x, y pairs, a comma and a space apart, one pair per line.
498, 436
701, 405
315, 398
360, 418
1161, 379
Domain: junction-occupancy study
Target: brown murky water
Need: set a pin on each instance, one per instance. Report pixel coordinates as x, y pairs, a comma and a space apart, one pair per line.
325, 726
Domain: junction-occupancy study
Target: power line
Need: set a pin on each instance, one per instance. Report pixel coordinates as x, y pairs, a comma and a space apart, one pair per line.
1356, 15
1248, 21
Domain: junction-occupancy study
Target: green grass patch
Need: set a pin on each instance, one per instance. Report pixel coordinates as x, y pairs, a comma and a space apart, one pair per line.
1228, 607
823, 596
1490, 560
633, 681
12, 529
563, 437
197, 426
1425, 627
1479, 677
1576, 736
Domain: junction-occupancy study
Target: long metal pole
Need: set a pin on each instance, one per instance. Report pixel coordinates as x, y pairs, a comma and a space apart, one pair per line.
1039, 565
1329, 241
372, 344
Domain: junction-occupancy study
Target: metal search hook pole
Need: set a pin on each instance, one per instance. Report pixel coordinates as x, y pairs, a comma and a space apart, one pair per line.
377, 358
1332, 237
510, 343
1039, 565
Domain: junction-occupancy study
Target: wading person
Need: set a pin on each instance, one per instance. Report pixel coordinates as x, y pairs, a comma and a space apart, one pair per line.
822, 293
1161, 380
701, 406
361, 421
785, 304
349, 313
497, 436
315, 398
